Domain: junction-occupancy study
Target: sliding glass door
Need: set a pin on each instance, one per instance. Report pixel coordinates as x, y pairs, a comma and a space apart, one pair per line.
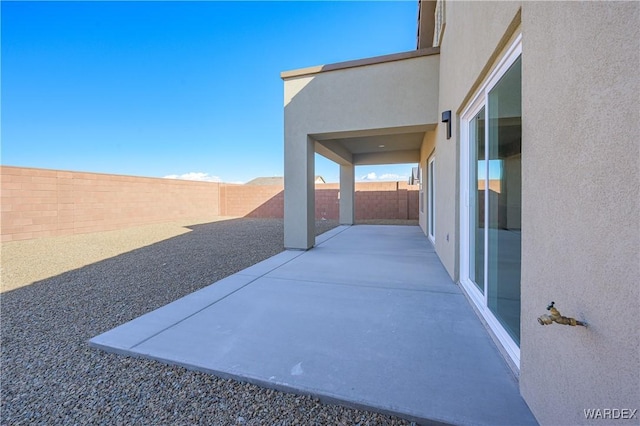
504, 200
492, 199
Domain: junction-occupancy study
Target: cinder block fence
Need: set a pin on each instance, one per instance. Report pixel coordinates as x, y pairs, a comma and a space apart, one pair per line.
40, 203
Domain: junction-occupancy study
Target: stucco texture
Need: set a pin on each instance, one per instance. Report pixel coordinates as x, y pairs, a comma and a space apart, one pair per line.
580, 210
474, 35
390, 94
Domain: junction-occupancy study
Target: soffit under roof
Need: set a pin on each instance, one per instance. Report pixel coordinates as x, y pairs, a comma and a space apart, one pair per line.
380, 143
373, 146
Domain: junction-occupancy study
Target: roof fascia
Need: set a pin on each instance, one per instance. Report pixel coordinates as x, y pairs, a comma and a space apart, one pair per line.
360, 62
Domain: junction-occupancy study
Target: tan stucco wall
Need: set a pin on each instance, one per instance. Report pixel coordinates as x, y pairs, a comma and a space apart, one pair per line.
581, 216
390, 94
580, 193
473, 38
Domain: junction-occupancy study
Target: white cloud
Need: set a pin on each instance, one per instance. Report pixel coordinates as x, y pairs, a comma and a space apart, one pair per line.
384, 176
393, 176
199, 176
369, 176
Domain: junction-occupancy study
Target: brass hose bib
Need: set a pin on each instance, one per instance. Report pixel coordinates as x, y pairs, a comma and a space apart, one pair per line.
557, 318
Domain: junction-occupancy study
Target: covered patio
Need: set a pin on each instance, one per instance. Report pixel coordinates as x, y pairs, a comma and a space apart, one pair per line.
374, 111
367, 318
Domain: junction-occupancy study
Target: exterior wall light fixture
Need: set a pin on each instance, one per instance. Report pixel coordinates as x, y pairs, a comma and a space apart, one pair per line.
446, 118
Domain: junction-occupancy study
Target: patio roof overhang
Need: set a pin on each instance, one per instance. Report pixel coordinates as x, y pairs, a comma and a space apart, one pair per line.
375, 146
369, 111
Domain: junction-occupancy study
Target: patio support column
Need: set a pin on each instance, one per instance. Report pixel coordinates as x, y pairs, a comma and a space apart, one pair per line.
347, 194
299, 192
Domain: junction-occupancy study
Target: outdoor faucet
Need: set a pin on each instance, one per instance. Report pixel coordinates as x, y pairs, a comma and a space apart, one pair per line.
556, 317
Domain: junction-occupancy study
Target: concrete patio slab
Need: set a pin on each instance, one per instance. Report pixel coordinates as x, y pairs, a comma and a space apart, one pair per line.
128, 335
368, 318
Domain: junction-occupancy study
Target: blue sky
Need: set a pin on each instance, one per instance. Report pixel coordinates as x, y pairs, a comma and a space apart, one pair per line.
175, 88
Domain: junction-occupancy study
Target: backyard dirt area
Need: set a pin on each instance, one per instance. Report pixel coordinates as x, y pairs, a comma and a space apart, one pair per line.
60, 292
28, 261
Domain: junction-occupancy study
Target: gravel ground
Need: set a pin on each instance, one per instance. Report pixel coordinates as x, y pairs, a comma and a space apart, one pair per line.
28, 261
49, 375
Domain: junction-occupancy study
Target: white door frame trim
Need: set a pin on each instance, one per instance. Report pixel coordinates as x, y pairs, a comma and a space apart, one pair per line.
431, 198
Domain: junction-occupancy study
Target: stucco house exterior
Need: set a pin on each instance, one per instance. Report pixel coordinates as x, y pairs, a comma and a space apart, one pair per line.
524, 120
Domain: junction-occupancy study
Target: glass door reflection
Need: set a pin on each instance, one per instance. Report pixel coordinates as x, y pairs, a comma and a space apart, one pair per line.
477, 174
